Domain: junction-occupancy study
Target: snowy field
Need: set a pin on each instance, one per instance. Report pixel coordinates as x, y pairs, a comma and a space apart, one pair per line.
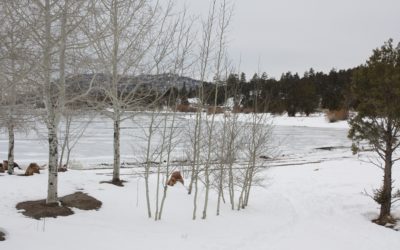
311, 199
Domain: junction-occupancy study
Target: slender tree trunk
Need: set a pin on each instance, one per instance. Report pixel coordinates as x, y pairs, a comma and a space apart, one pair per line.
385, 210
244, 188
11, 143
11, 120
117, 156
251, 175
192, 176
160, 163
167, 167
231, 187
115, 95
148, 164
52, 196
65, 142
206, 169
62, 56
384, 216
158, 190
62, 96
247, 193
191, 179
220, 189
69, 149
196, 164
230, 153
195, 195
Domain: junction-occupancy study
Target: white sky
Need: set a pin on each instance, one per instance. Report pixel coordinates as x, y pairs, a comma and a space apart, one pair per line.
294, 35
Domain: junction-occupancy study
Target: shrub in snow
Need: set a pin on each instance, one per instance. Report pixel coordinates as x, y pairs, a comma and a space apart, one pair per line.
337, 115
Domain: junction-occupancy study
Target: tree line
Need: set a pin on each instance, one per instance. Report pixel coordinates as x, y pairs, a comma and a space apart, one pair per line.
292, 93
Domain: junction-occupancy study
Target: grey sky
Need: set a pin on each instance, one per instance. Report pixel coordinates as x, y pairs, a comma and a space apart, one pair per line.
298, 34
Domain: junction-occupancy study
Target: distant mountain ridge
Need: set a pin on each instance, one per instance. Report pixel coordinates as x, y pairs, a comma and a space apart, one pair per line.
159, 82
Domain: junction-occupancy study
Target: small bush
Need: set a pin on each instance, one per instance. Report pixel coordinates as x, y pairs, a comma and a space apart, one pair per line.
185, 108
237, 109
247, 110
215, 110
337, 115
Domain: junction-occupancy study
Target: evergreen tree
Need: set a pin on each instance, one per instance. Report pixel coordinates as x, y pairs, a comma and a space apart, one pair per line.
307, 93
376, 86
183, 92
290, 84
233, 89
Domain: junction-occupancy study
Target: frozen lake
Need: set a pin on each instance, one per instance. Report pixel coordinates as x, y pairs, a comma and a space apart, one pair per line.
96, 145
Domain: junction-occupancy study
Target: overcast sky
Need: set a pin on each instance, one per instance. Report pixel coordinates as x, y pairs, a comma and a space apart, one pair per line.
294, 35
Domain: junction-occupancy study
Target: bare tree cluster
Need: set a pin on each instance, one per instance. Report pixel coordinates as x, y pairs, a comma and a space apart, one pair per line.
65, 58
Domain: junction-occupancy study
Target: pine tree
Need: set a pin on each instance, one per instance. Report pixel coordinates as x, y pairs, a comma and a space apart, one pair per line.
376, 87
307, 93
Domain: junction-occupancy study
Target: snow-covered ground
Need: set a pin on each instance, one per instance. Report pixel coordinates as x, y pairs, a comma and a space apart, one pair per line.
311, 199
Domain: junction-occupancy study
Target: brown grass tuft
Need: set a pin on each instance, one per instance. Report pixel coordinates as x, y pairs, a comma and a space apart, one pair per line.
337, 115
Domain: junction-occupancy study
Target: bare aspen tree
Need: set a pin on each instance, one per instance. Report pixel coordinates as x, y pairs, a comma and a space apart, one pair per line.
157, 138
257, 139
233, 146
220, 185
204, 58
223, 23
201, 151
170, 138
123, 34
164, 147
170, 135
153, 126
15, 65
160, 163
73, 62
181, 63
222, 152
160, 122
160, 53
51, 22
161, 137
41, 25
164, 50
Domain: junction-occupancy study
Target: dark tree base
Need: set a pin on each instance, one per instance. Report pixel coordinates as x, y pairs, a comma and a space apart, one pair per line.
388, 222
119, 183
39, 209
2, 236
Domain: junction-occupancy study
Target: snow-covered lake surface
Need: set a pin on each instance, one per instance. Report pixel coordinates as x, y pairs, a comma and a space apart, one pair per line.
292, 136
312, 199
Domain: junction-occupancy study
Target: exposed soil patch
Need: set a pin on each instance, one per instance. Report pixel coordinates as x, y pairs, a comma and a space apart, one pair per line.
119, 183
39, 209
2, 236
81, 201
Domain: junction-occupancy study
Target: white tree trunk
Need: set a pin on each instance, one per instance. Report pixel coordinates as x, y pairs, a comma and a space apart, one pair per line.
52, 196
117, 159
11, 143
148, 163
